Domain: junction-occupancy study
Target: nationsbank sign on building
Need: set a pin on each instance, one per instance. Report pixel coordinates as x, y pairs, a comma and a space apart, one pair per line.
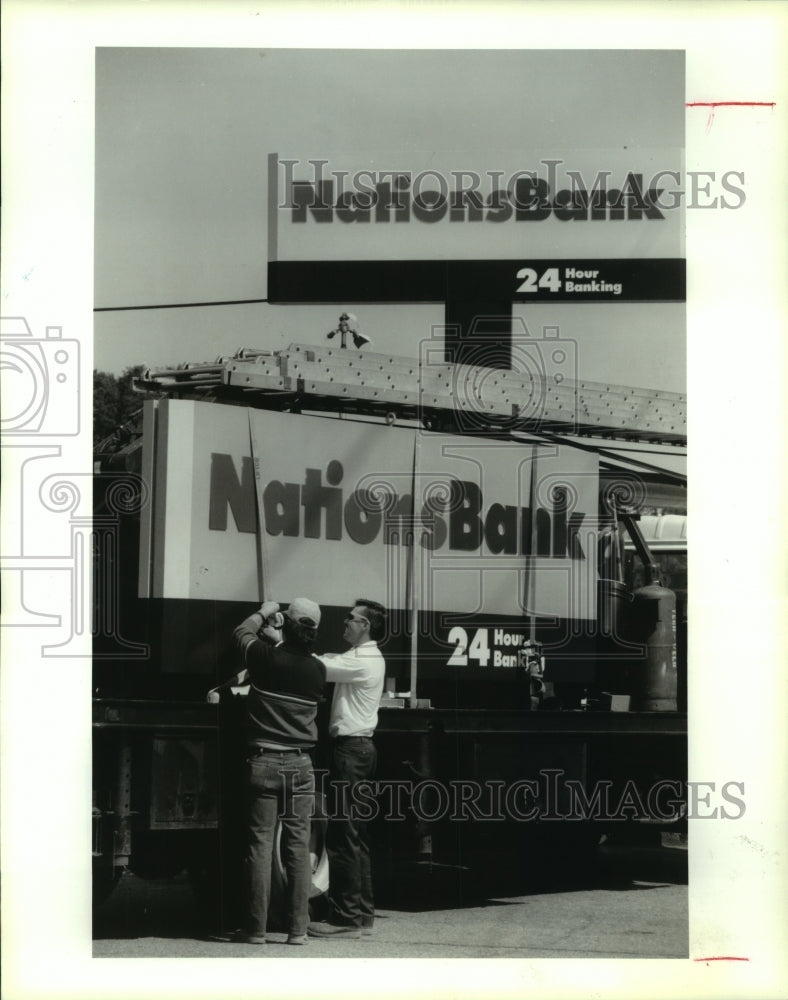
450, 205
484, 234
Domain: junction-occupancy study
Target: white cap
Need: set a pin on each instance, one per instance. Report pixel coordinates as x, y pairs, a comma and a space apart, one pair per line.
304, 612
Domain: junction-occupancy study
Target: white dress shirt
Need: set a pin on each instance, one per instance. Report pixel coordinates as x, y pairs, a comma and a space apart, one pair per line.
359, 675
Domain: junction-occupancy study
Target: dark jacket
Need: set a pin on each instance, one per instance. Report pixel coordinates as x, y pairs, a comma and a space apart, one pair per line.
286, 686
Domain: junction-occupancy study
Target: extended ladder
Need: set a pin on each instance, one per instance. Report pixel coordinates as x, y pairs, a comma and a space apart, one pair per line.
468, 397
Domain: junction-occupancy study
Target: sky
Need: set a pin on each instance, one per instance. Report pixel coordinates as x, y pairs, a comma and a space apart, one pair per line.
182, 144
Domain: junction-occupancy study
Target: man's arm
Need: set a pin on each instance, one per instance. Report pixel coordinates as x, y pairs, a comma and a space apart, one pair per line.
344, 668
268, 618
246, 633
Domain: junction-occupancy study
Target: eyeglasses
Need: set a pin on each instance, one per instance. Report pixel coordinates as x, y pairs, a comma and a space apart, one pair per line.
356, 621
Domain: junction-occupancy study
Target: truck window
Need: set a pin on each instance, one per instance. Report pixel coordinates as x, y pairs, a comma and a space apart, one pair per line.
672, 565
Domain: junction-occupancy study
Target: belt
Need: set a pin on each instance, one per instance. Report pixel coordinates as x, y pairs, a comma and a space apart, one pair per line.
258, 749
358, 736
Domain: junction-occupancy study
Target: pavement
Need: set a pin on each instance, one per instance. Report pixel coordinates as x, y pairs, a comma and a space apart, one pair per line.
631, 904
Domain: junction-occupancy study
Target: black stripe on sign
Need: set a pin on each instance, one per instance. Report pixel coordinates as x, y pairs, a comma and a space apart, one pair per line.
515, 280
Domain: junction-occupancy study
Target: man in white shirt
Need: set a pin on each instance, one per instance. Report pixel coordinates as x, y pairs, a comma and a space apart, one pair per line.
359, 676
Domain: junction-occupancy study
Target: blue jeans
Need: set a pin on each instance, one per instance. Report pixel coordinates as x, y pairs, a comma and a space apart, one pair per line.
280, 786
353, 759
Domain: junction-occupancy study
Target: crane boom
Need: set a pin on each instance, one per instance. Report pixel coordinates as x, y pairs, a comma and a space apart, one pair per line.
531, 399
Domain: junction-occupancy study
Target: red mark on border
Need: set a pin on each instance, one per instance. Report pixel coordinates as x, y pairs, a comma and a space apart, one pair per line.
727, 104
722, 958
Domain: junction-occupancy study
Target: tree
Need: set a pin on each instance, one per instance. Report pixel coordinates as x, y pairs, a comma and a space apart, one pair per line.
105, 405
114, 401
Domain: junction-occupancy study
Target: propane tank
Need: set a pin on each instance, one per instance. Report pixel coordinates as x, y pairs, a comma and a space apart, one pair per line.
655, 675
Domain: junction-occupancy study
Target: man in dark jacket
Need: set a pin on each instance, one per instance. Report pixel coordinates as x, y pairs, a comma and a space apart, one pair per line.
286, 685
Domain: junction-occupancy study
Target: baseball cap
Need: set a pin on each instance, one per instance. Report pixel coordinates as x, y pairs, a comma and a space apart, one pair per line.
304, 611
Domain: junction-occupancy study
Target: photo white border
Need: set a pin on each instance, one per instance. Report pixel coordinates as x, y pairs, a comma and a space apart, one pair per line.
736, 321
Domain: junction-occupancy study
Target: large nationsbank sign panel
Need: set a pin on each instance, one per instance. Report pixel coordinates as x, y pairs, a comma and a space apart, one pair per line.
449, 205
251, 504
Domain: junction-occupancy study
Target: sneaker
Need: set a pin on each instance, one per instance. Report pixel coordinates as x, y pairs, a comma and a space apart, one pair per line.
323, 929
367, 930
297, 939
